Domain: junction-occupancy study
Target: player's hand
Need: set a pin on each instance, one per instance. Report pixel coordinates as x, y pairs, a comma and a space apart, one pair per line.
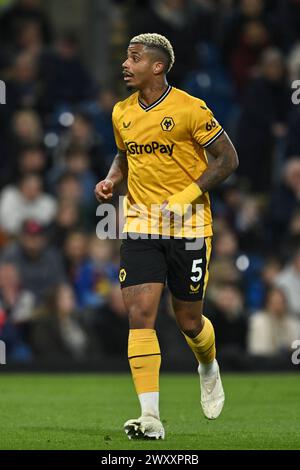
104, 190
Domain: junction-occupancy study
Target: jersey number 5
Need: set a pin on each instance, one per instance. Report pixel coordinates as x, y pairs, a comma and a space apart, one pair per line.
196, 269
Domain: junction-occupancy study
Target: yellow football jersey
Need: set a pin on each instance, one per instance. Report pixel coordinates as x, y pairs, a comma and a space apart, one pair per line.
165, 147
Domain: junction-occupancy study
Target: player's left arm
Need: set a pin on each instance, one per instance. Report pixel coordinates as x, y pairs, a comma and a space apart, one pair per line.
224, 164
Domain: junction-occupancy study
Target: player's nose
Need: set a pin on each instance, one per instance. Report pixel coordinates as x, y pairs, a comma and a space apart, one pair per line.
124, 64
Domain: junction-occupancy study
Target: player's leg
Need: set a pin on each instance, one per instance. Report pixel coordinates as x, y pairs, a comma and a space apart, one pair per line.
197, 329
200, 336
187, 279
142, 302
142, 275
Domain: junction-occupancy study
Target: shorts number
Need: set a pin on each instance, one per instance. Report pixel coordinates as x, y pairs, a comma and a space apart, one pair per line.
196, 269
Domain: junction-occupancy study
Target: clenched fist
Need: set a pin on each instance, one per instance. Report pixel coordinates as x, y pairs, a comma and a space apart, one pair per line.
104, 190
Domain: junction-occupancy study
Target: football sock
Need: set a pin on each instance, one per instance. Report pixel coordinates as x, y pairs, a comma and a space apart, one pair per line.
203, 345
144, 359
208, 369
149, 404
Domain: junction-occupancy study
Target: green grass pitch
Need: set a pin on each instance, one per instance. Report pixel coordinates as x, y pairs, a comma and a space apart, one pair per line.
88, 412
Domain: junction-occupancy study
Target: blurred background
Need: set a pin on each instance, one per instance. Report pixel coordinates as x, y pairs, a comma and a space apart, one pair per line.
60, 302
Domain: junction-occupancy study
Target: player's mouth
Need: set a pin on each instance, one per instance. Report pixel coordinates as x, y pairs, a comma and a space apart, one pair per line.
127, 76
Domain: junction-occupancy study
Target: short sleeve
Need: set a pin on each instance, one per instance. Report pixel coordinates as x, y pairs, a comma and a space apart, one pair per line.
118, 137
204, 126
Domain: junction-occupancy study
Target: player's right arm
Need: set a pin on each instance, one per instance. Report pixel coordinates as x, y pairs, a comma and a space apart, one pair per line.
117, 173
119, 168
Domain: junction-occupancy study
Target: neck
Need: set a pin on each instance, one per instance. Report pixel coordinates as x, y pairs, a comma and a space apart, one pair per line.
151, 93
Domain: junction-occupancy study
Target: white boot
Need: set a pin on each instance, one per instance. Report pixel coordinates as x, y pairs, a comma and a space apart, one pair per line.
145, 427
212, 393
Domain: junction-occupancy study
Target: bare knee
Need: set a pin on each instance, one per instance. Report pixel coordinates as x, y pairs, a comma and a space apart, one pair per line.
141, 316
190, 324
141, 302
189, 317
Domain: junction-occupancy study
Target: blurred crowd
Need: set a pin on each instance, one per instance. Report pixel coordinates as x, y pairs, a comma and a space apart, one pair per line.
59, 288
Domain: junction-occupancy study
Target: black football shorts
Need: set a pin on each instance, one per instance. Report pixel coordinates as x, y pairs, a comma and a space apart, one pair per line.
180, 262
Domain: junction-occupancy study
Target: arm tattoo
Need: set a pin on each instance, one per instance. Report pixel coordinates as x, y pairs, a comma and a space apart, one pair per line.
226, 161
119, 168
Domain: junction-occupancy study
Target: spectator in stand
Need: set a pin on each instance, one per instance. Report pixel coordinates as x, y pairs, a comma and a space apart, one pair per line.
32, 159
25, 131
100, 113
69, 189
27, 127
16, 310
273, 329
77, 162
20, 13
75, 253
30, 38
25, 201
211, 82
289, 281
82, 135
292, 239
39, 264
293, 138
293, 62
227, 203
285, 200
244, 59
65, 78
230, 264
264, 120
266, 279
112, 317
23, 86
249, 224
223, 267
96, 274
286, 22
57, 333
228, 316
293, 141
67, 220
234, 22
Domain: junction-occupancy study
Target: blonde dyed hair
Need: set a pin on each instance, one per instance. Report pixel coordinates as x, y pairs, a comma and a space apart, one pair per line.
154, 40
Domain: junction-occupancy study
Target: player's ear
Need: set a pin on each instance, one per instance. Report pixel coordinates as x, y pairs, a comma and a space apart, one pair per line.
158, 67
